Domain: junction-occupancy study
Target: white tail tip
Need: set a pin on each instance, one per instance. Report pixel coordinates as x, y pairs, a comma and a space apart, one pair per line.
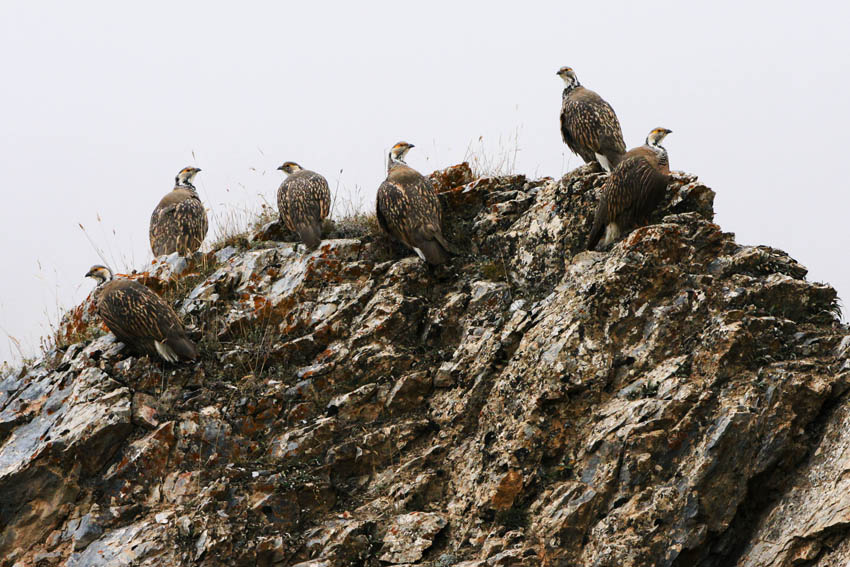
165, 351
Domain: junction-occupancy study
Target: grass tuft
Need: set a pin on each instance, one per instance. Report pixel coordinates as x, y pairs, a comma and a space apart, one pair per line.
235, 225
485, 162
355, 225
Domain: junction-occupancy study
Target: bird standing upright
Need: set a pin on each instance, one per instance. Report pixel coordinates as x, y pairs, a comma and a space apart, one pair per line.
140, 318
589, 125
409, 210
633, 190
179, 222
303, 201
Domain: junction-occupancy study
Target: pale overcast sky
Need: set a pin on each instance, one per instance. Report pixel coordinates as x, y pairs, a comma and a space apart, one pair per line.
103, 102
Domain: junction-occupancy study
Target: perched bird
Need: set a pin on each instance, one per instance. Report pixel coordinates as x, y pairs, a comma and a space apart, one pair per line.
633, 190
589, 125
140, 318
179, 221
303, 200
409, 210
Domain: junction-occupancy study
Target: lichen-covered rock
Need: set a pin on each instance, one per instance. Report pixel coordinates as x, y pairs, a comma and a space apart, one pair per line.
409, 535
676, 400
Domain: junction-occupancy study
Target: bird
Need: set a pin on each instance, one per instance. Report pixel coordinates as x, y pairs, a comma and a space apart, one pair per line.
179, 222
140, 318
304, 201
589, 125
633, 190
409, 210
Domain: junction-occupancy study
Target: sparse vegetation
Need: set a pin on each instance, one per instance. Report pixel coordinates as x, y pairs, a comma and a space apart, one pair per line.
355, 225
234, 225
489, 162
7, 370
75, 325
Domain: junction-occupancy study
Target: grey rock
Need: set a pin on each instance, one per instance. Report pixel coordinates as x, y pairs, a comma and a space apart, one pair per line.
676, 399
409, 535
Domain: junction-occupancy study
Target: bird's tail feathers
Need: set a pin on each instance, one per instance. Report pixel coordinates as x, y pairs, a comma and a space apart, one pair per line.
447, 246
614, 158
180, 347
595, 232
434, 252
310, 234
165, 351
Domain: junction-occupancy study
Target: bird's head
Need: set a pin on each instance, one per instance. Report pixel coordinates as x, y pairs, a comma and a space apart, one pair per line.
101, 274
655, 137
400, 150
290, 167
568, 76
184, 178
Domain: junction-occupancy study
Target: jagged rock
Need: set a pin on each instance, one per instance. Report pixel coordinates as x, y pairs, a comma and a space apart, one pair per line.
136, 544
507, 490
409, 535
409, 392
274, 230
452, 177
678, 399
146, 410
357, 405
87, 531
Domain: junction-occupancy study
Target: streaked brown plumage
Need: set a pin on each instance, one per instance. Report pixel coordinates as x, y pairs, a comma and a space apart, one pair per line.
304, 201
409, 210
632, 191
179, 221
589, 125
140, 318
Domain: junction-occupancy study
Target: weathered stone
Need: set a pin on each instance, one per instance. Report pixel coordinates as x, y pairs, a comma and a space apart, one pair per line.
409, 535
306, 442
357, 405
136, 544
274, 230
678, 399
409, 392
452, 177
507, 490
87, 531
146, 410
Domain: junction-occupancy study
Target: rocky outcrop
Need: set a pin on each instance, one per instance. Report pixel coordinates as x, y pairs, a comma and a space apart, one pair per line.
677, 400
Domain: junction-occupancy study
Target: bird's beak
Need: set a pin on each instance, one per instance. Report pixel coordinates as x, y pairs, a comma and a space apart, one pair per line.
410, 146
89, 274
280, 168
197, 170
669, 131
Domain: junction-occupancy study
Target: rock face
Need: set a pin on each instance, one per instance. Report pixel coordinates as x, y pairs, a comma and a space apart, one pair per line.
678, 400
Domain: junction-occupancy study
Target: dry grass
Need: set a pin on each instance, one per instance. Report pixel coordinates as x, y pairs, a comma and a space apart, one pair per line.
235, 224
356, 225
7, 370
75, 326
486, 161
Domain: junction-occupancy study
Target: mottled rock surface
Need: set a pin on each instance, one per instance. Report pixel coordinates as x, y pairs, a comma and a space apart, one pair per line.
678, 400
